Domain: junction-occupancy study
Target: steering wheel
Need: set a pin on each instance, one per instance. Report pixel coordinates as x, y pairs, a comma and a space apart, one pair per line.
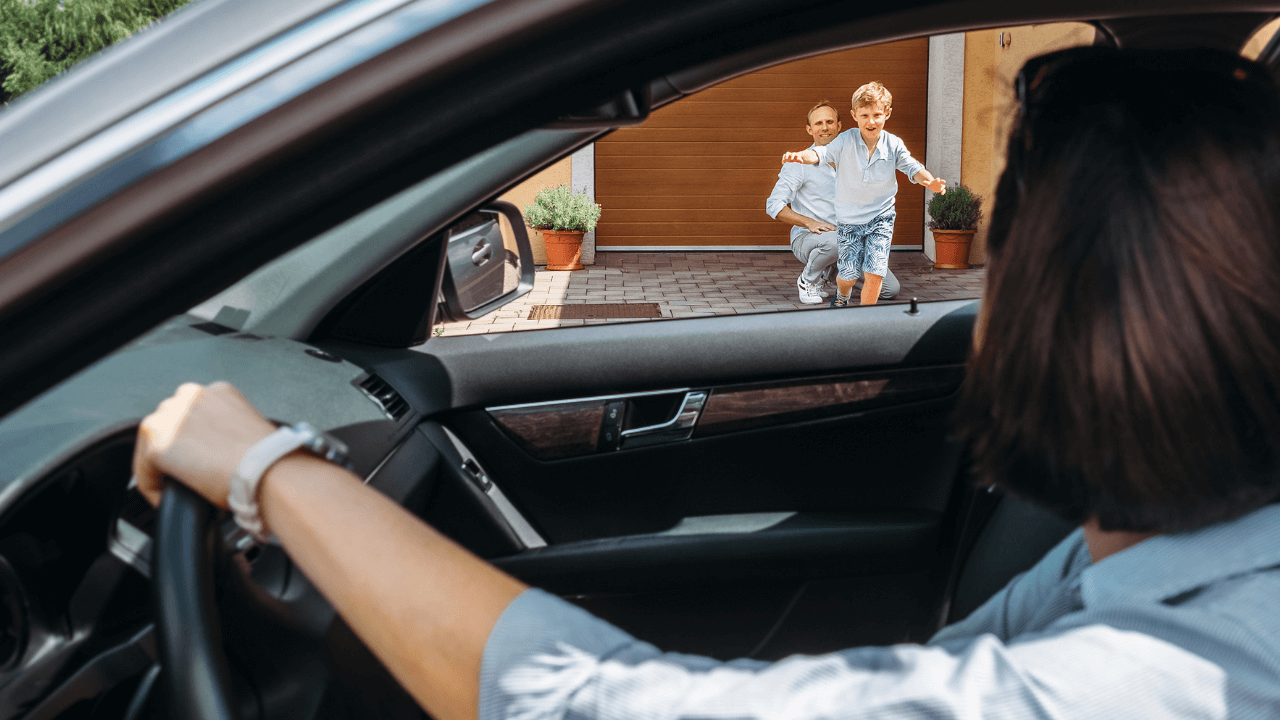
196, 679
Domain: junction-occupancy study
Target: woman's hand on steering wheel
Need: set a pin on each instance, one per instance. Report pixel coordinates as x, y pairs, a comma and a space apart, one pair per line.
197, 436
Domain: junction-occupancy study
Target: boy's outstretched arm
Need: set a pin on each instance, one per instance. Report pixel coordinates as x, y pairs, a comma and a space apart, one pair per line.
808, 157
925, 178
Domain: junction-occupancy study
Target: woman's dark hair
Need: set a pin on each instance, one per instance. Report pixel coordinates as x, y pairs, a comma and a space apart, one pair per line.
1128, 360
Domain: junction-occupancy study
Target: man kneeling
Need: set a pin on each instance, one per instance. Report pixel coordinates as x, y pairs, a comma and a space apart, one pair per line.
804, 197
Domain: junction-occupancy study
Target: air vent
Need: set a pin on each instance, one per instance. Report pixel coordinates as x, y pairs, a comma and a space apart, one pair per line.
381, 392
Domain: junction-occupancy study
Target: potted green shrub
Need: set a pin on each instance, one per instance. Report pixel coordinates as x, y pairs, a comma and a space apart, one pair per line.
562, 217
953, 218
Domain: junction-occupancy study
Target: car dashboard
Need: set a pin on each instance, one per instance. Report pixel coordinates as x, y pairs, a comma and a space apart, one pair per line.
76, 633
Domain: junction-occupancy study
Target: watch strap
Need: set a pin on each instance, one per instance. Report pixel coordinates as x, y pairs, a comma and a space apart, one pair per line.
243, 497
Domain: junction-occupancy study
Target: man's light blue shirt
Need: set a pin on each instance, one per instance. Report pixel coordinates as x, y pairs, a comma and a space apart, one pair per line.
808, 189
866, 187
1184, 625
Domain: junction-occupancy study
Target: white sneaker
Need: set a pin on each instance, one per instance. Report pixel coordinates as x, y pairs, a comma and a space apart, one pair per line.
809, 294
828, 288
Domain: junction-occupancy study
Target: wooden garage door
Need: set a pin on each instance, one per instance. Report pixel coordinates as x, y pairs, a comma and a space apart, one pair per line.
697, 173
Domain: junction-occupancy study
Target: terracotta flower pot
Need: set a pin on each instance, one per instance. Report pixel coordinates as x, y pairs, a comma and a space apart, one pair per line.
952, 249
564, 249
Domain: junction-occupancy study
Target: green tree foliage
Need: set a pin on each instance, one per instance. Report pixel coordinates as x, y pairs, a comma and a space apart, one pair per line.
559, 208
41, 38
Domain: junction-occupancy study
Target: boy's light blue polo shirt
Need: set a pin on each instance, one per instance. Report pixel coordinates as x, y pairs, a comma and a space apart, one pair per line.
866, 188
1183, 625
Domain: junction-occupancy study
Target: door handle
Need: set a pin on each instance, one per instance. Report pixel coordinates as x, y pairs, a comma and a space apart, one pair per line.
481, 252
679, 427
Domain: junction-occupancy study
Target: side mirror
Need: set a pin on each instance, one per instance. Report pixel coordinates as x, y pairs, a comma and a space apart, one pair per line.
488, 262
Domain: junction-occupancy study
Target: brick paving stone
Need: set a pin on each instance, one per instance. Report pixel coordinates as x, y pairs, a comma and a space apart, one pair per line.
701, 284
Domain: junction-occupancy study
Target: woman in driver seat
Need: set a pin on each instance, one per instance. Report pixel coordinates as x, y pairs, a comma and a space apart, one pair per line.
1126, 375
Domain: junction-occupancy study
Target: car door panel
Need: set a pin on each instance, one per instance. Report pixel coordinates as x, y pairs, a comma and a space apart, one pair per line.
557, 430
570, 363
803, 546
801, 467
811, 506
726, 621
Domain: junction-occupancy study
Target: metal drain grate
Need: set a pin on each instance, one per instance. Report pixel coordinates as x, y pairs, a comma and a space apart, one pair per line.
607, 311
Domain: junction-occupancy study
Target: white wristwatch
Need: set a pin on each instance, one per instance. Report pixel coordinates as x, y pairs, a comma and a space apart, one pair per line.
243, 498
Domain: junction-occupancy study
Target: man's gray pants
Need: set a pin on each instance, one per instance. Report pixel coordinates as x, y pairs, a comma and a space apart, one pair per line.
818, 252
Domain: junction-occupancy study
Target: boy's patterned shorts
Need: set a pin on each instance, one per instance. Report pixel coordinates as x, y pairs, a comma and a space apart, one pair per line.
865, 248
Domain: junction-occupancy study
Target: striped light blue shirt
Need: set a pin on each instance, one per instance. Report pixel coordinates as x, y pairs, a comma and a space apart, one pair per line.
866, 187
1184, 625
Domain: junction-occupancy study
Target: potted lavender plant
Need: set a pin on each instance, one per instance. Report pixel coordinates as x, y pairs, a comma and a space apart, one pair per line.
562, 217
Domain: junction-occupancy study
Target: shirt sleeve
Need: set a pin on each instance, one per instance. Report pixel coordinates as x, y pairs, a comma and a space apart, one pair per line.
548, 660
790, 178
832, 151
1009, 612
905, 163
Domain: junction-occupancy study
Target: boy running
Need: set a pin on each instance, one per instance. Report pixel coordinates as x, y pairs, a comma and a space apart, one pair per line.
865, 190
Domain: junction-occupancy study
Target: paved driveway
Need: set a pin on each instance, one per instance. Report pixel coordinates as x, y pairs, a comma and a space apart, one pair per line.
697, 284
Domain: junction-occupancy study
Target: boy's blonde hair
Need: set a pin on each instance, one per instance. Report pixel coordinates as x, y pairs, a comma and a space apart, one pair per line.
872, 93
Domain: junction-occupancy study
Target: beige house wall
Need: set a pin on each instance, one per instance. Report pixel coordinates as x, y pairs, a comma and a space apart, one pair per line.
992, 59
990, 66
977, 135
523, 194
